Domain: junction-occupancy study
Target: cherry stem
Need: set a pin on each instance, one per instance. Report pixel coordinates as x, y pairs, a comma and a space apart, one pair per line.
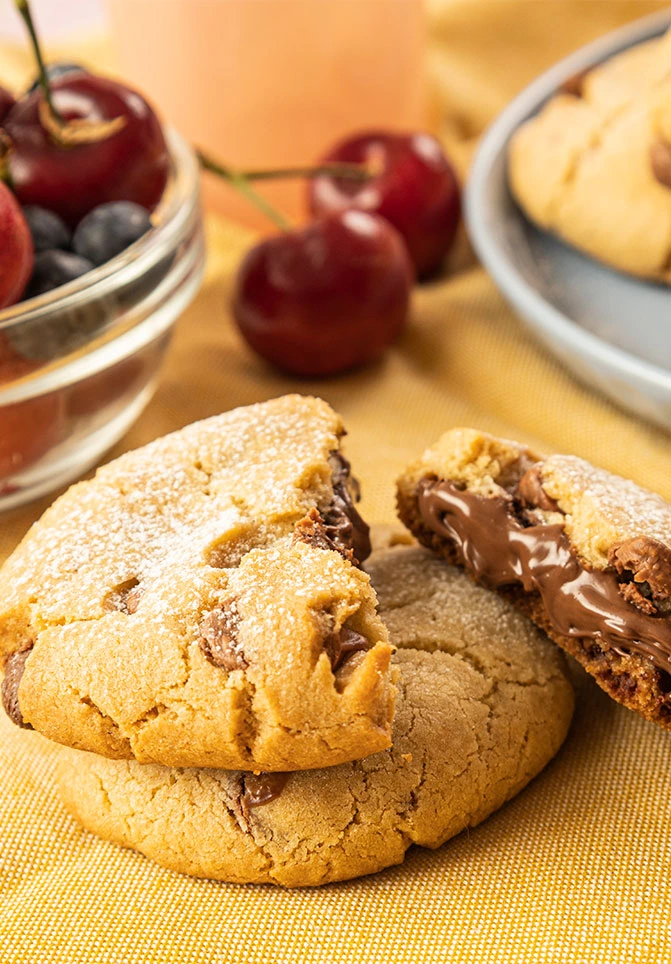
5, 148
240, 182
24, 11
351, 172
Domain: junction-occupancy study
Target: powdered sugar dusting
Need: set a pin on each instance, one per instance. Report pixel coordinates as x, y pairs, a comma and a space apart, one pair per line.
161, 506
623, 505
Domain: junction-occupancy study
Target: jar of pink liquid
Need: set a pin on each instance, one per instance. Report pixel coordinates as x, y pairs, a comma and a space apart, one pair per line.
272, 83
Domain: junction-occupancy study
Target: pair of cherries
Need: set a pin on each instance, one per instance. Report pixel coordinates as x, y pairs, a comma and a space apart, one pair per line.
335, 294
314, 301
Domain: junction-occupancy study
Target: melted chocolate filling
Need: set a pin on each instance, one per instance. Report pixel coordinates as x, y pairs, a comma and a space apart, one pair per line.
343, 524
499, 551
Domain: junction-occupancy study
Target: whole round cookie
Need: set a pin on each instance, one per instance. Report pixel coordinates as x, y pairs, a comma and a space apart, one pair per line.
199, 602
483, 704
594, 165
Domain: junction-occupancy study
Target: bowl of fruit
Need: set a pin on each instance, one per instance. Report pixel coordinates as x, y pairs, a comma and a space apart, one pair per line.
101, 250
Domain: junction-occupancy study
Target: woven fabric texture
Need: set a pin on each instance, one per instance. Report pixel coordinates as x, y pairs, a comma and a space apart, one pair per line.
576, 868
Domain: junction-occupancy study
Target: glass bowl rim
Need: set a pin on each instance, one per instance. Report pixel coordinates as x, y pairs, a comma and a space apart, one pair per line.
171, 214
177, 211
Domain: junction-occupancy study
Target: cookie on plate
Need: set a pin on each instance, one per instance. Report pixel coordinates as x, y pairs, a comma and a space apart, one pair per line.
594, 165
483, 704
199, 603
585, 553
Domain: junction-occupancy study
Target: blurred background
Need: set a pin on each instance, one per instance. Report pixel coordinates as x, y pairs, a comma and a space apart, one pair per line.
273, 82
267, 84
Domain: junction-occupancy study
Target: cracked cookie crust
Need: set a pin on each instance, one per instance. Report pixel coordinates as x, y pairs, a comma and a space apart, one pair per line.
585, 553
594, 166
483, 705
200, 603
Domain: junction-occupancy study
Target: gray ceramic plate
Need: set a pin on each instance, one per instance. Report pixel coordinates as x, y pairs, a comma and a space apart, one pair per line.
612, 331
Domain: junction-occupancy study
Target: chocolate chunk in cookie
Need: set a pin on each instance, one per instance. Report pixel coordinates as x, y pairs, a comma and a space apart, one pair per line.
530, 491
258, 789
660, 159
219, 637
14, 668
312, 530
124, 598
645, 565
343, 644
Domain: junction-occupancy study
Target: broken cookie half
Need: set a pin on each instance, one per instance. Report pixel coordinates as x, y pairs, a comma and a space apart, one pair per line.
200, 602
585, 553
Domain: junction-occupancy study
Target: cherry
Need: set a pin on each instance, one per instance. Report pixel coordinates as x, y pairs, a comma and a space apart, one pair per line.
130, 164
16, 249
27, 429
6, 102
325, 298
413, 186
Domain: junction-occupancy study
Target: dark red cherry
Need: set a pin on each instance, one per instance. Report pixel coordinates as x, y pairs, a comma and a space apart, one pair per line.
326, 298
16, 249
6, 102
414, 187
131, 164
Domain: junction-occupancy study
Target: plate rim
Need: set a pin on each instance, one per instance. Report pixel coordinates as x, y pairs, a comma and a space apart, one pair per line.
538, 310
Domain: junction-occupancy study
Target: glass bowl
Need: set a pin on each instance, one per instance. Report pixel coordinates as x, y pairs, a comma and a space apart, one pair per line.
79, 364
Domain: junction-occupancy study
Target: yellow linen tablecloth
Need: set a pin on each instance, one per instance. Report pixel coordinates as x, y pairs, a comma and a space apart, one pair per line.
576, 869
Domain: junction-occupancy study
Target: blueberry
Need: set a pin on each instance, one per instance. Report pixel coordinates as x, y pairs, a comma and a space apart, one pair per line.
55, 268
109, 229
63, 329
54, 71
47, 229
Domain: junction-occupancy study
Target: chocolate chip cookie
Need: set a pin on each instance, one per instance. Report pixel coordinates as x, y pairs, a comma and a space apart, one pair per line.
594, 165
483, 704
585, 553
200, 603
